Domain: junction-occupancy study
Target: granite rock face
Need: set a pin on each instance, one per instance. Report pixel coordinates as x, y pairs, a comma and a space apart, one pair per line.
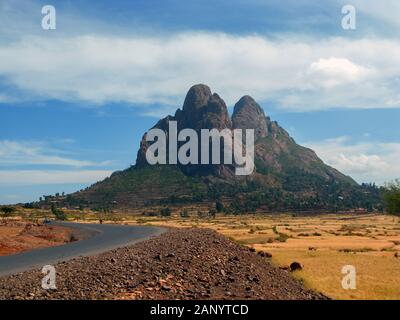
247, 114
201, 110
276, 153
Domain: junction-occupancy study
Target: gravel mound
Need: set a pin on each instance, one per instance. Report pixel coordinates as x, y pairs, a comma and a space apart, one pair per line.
179, 264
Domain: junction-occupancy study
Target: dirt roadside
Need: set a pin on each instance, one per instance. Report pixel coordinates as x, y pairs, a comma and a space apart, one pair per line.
180, 264
20, 236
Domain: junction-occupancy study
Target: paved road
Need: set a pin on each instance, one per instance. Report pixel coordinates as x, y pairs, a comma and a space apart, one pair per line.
98, 238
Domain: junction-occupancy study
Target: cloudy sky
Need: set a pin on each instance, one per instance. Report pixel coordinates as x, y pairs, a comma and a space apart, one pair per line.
75, 101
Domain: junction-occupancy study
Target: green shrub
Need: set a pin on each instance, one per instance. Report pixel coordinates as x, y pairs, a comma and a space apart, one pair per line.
184, 213
58, 213
7, 211
165, 212
212, 213
282, 237
219, 206
392, 197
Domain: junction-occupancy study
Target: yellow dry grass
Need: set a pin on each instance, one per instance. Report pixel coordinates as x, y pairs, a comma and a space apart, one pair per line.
323, 244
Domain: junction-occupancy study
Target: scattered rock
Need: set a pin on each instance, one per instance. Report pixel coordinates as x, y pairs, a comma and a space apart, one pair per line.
158, 257
264, 254
295, 266
166, 288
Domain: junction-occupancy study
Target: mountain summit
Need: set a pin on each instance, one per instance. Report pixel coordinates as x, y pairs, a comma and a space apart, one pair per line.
247, 114
286, 175
276, 153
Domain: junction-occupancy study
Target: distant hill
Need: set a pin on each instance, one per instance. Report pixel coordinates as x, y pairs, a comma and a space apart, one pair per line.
287, 176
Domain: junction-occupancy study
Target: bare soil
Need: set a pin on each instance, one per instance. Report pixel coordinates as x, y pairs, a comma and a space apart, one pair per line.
20, 236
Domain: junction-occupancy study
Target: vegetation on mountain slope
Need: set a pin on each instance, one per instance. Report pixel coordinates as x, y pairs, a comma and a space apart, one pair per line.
287, 176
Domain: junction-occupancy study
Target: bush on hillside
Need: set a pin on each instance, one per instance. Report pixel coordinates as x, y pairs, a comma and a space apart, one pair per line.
165, 212
392, 197
58, 213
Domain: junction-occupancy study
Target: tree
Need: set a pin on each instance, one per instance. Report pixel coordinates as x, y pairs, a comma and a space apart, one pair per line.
165, 212
392, 197
185, 213
200, 214
58, 213
219, 206
7, 211
212, 213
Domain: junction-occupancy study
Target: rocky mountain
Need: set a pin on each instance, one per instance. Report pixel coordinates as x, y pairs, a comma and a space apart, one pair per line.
201, 110
276, 153
286, 175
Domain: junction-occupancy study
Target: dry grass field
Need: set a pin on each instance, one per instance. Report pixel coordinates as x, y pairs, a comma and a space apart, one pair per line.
323, 244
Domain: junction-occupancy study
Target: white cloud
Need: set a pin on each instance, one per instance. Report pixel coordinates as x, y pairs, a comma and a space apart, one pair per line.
17, 153
294, 74
333, 71
364, 161
42, 177
24, 155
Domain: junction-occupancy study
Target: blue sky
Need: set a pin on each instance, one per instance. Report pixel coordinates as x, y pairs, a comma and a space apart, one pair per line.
75, 101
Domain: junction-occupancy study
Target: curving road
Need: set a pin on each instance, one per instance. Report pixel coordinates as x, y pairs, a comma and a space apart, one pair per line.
98, 238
